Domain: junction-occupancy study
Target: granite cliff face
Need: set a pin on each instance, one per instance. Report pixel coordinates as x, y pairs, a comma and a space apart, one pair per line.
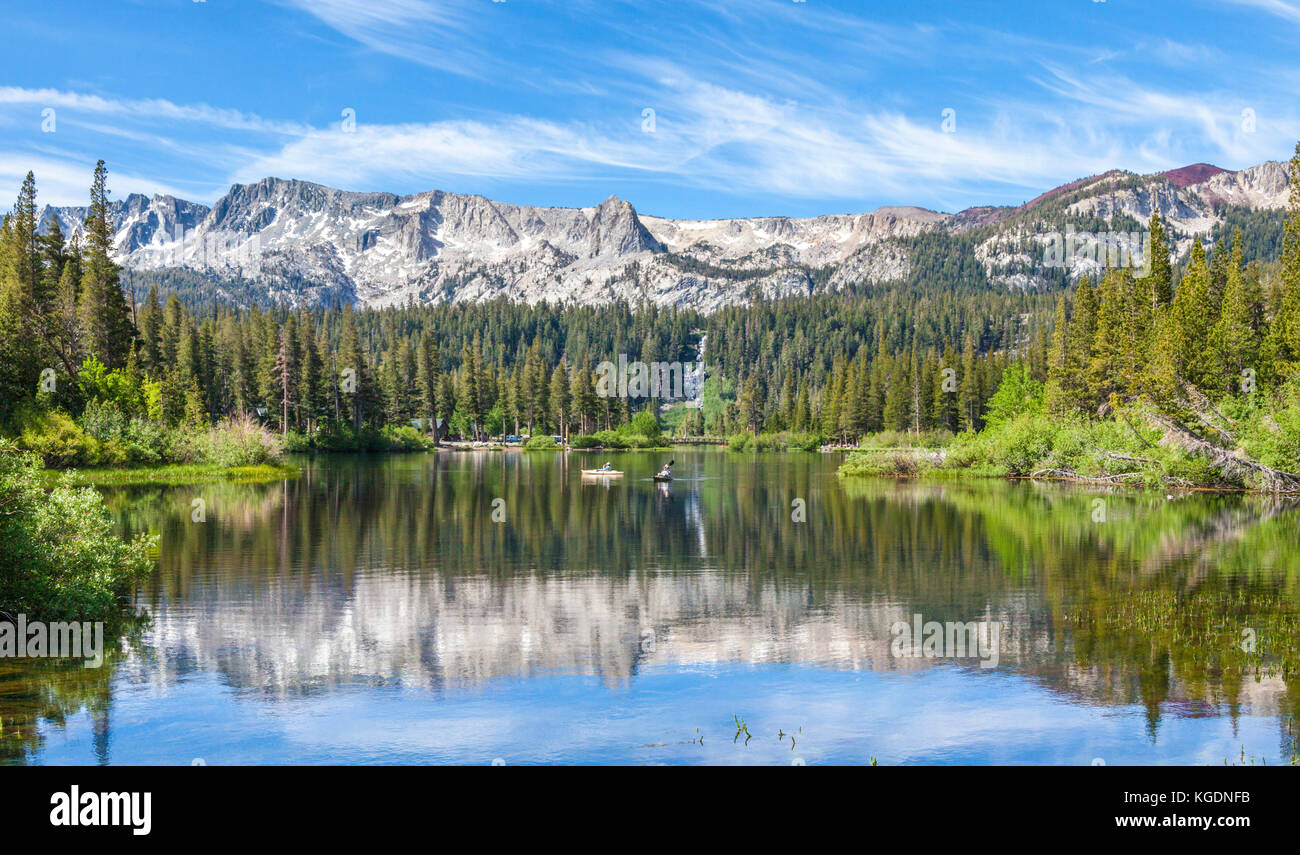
300, 242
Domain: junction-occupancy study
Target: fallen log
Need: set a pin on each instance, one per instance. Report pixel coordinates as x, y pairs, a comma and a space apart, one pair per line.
1235, 466
1115, 455
1071, 475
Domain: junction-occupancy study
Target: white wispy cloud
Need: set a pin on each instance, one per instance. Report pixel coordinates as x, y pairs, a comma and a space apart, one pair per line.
718, 137
1281, 8
734, 141
65, 180
1176, 125
437, 35
740, 108
147, 110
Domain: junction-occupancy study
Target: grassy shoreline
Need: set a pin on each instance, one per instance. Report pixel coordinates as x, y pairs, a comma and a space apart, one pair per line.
177, 474
1083, 457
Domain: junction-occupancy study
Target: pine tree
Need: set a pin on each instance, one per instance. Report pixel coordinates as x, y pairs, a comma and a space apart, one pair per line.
310, 366
470, 394
1235, 339
1284, 339
560, 401
106, 324
285, 376
447, 397
1161, 288
19, 360
151, 324
1106, 370
585, 403
428, 379
353, 375
751, 409
969, 392
1057, 397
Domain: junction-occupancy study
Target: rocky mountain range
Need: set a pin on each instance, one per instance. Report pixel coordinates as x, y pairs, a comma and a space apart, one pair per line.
294, 241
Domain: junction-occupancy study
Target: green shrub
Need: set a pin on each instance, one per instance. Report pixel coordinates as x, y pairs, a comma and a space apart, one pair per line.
1017, 394
58, 439
1269, 431
541, 442
240, 441
403, 438
643, 424
896, 438
806, 441
1021, 444
784, 441
610, 439
60, 556
887, 464
584, 440
297, 442
104, 420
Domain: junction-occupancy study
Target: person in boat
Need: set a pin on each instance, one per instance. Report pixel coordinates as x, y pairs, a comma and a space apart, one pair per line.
665, 472
606, 467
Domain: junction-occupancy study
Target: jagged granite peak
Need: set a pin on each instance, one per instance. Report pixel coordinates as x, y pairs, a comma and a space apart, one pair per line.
616, 230
301, 242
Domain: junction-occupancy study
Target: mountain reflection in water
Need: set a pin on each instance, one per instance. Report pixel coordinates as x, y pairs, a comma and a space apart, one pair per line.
373, 611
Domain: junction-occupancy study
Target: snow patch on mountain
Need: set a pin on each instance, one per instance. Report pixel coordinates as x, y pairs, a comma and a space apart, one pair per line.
303, 242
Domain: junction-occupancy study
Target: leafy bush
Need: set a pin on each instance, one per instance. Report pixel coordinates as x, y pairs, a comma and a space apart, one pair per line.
541, 442
58, 439
403, 438
896, 438
609, 439
1269, 431
889, 464
1021, 444
644, 424
60, 556
341, 438
125, 441
784, 441
240, 441
1018, 394
297, 442
104, 420
584, 440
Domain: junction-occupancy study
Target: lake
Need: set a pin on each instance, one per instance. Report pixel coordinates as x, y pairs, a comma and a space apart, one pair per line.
490, 607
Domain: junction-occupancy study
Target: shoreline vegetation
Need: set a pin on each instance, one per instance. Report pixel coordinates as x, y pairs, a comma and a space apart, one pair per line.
61, 557
1136, 445
175, 475
1152, 381
1186, 376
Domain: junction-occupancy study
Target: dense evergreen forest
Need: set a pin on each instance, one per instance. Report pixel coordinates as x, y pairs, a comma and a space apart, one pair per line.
89, 375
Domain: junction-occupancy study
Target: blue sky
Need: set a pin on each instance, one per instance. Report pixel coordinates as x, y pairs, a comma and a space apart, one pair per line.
759, 107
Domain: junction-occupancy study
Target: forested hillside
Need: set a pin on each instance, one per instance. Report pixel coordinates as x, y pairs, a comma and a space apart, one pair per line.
923, 354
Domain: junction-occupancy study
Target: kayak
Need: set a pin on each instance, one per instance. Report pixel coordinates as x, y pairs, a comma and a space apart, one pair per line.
607, 472
662, 478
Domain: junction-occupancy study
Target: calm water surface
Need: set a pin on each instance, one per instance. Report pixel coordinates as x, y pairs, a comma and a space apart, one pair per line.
376, 611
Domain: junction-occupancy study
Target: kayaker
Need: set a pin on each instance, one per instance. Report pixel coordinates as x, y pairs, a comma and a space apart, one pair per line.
606, 467
665, 472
